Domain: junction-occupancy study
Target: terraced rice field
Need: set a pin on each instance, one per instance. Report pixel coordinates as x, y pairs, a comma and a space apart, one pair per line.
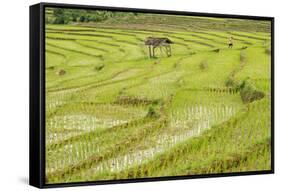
114, 113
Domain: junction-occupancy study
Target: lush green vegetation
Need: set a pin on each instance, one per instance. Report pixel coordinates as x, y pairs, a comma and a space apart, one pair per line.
114, 113
65, 16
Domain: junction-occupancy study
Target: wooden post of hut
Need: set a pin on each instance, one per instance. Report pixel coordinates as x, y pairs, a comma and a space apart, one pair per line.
154, 42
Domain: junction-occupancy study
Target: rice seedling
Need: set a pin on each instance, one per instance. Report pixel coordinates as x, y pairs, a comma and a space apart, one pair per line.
113, 113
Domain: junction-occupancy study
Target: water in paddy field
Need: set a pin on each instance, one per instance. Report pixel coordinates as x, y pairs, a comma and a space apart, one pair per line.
77, 124
63, 126
183, 125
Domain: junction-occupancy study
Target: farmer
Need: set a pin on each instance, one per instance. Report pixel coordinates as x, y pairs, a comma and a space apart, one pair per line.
230, 42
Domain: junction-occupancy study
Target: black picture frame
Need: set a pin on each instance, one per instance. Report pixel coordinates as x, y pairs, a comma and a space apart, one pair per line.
37, 95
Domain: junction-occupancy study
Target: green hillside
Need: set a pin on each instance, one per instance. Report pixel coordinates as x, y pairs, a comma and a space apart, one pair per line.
114, 113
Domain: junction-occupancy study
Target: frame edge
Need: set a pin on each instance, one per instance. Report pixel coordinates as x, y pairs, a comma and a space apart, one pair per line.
35, 157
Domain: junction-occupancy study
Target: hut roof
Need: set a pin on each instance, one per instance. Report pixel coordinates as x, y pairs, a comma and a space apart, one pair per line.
155, 41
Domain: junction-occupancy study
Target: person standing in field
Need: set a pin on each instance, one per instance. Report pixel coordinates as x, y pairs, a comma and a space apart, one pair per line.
230, 42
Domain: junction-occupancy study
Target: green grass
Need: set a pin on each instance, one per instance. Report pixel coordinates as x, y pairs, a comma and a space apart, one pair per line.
116, 114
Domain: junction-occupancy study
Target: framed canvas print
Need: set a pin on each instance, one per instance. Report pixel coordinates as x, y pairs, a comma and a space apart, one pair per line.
126, 95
